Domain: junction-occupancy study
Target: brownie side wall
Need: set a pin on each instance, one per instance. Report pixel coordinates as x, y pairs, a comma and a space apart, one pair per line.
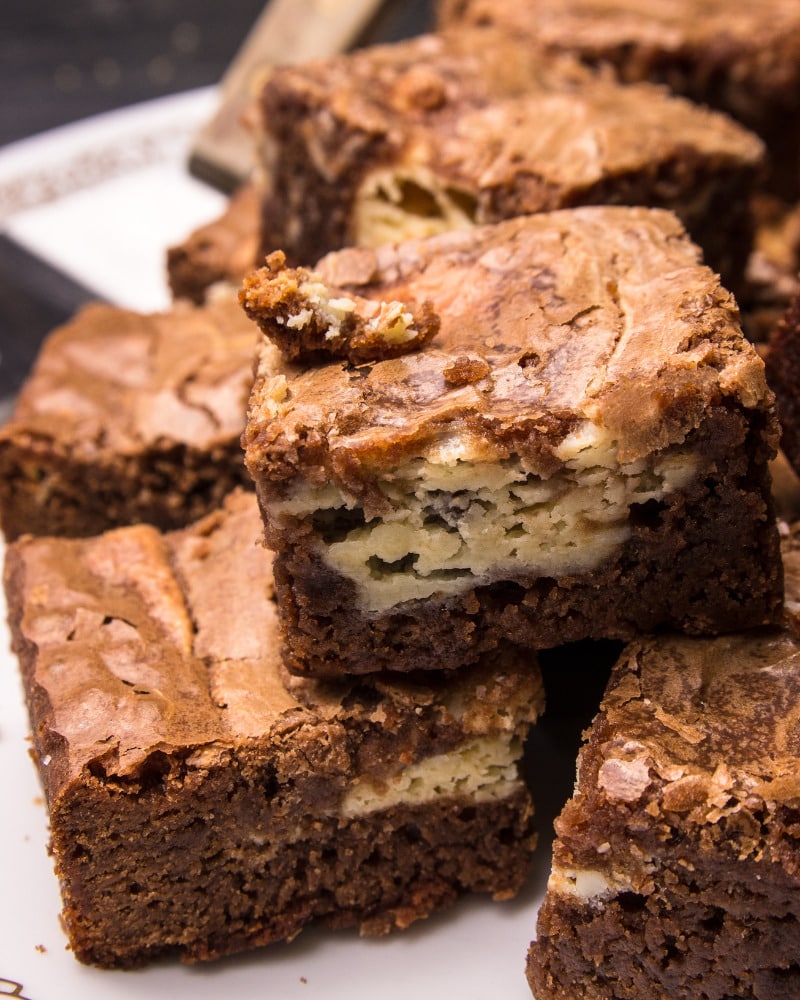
307, 211
705, 560
47, 490
712, 928
228, 862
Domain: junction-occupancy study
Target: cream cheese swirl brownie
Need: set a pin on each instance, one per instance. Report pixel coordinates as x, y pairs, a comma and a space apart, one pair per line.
200, 801
440, 132
582, 450
744, 60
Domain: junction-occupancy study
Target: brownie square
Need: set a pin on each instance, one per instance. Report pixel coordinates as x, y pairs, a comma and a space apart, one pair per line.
676, 869
581, 451
200, 801
439, 132
128, 417
743, 59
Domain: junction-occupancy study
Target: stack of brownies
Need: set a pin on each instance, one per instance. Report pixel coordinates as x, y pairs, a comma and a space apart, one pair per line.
491, 401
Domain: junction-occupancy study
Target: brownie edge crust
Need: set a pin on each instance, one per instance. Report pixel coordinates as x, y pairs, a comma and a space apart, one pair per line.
201, 802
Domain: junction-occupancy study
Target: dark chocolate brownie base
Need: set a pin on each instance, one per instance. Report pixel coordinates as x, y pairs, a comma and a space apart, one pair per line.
708, 935
704, 560
202, 888
202, 802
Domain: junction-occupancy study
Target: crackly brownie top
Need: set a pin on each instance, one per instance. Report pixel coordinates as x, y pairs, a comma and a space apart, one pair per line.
701, 735
117, 381
719, 32
593, 318
480, 108
139, 648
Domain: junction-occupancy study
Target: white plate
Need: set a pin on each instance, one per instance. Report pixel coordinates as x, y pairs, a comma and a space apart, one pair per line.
102, 200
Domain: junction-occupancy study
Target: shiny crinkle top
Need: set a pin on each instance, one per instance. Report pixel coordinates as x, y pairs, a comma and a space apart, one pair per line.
114, 380
599, 314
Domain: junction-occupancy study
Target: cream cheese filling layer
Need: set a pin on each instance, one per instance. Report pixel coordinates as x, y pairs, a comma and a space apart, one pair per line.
454, 523
483, 770
403, 204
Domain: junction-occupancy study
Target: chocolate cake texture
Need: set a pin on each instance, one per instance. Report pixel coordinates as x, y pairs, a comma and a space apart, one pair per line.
202, 802
743, 60
581, 451
676, 867
783, 372
448, 131
128, 417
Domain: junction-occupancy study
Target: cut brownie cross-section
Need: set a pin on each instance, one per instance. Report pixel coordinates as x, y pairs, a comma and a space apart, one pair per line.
676, 870
201, 802
581, 451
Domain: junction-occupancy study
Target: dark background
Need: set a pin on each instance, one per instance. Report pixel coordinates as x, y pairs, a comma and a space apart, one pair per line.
61, 60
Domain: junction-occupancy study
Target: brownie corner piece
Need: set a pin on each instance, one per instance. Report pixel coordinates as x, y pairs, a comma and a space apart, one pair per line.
219, 253
201, 802
675, 868
582, 451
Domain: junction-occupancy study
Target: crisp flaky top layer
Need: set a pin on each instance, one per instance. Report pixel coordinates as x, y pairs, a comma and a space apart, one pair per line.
564, 333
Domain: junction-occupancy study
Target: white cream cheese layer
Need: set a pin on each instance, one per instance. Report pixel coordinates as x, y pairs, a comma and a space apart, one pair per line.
483, 770
454, 524
396, 205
